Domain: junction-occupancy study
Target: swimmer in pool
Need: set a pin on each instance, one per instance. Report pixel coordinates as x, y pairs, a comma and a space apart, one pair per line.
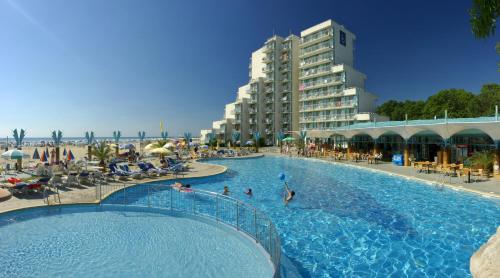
249, 192
289, 194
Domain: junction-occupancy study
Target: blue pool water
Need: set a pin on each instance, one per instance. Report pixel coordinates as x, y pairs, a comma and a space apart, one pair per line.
353, 222
111, 241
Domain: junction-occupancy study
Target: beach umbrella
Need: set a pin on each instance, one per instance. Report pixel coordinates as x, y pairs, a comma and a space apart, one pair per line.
150, 146
161, 151
44, 157
169, 145
128, 146
205, 147
249, 142
14, 154
64, 152
70, 155
36, 155
288, 139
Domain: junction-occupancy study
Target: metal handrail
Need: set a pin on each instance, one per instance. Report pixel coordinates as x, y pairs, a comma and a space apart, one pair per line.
221, 208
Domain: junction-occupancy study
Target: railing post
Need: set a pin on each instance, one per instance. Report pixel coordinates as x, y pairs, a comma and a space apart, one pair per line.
149, 197
171, 197
237, 216
124, 195
255, 224
194, 202
100, 192
217, 207
270, 236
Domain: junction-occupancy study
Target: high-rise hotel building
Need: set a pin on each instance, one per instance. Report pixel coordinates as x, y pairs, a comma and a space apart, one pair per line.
332, 92
306, 83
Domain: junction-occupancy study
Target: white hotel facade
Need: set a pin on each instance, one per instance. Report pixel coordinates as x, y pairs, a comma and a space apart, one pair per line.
306, 83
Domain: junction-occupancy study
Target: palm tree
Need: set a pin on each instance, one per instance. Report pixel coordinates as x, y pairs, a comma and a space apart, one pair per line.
164, 135
102, 152
482, 160
280, 136
187, 137
302, 142
236, 137
90, 140
19, 137
116, 138
141, 135
211, 140
57, 137
256, 138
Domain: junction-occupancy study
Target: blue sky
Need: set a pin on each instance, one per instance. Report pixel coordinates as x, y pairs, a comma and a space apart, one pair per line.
126, 65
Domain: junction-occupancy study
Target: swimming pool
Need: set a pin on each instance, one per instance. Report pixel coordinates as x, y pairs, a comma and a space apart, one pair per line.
118, 241
354, 222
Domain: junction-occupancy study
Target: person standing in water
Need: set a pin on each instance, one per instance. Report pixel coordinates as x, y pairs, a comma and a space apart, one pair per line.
249, 192
226, 190
289, 194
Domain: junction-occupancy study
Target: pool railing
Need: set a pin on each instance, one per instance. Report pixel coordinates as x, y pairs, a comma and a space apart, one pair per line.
221, 208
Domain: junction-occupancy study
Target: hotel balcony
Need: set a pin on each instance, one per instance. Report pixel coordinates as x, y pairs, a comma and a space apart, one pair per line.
252, 121
312, 73
269, 111
285, 69
268, 80
252, 111
332, 118
267, 59
267, 69
269, 100
327, 106
268, 121
322, 95
252, 101
268, 131
324, 83
317, 51
285, 99
269, 48
319, 37
314, 63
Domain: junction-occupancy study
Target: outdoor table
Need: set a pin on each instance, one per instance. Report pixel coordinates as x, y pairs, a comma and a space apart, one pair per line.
427, 164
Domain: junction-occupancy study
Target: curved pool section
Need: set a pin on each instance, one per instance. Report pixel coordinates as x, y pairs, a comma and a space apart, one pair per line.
347, 221
123, 241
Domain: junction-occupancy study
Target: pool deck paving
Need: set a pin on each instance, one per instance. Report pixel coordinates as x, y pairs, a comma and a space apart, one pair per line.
87, 194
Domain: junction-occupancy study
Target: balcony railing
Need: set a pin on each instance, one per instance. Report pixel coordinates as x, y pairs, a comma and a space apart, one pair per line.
313, 119
326, 94
318, 36
329, 105
210, 205
318, 84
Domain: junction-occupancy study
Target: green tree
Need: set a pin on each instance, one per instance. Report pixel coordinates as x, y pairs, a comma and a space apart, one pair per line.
483, 15
102, 152
397, 110
456, 101
484, 103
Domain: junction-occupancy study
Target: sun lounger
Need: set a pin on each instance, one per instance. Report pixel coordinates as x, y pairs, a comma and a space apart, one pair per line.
133, 174
145, 169
116, 172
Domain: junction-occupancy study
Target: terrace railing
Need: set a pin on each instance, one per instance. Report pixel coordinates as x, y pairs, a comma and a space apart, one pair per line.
223, 209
